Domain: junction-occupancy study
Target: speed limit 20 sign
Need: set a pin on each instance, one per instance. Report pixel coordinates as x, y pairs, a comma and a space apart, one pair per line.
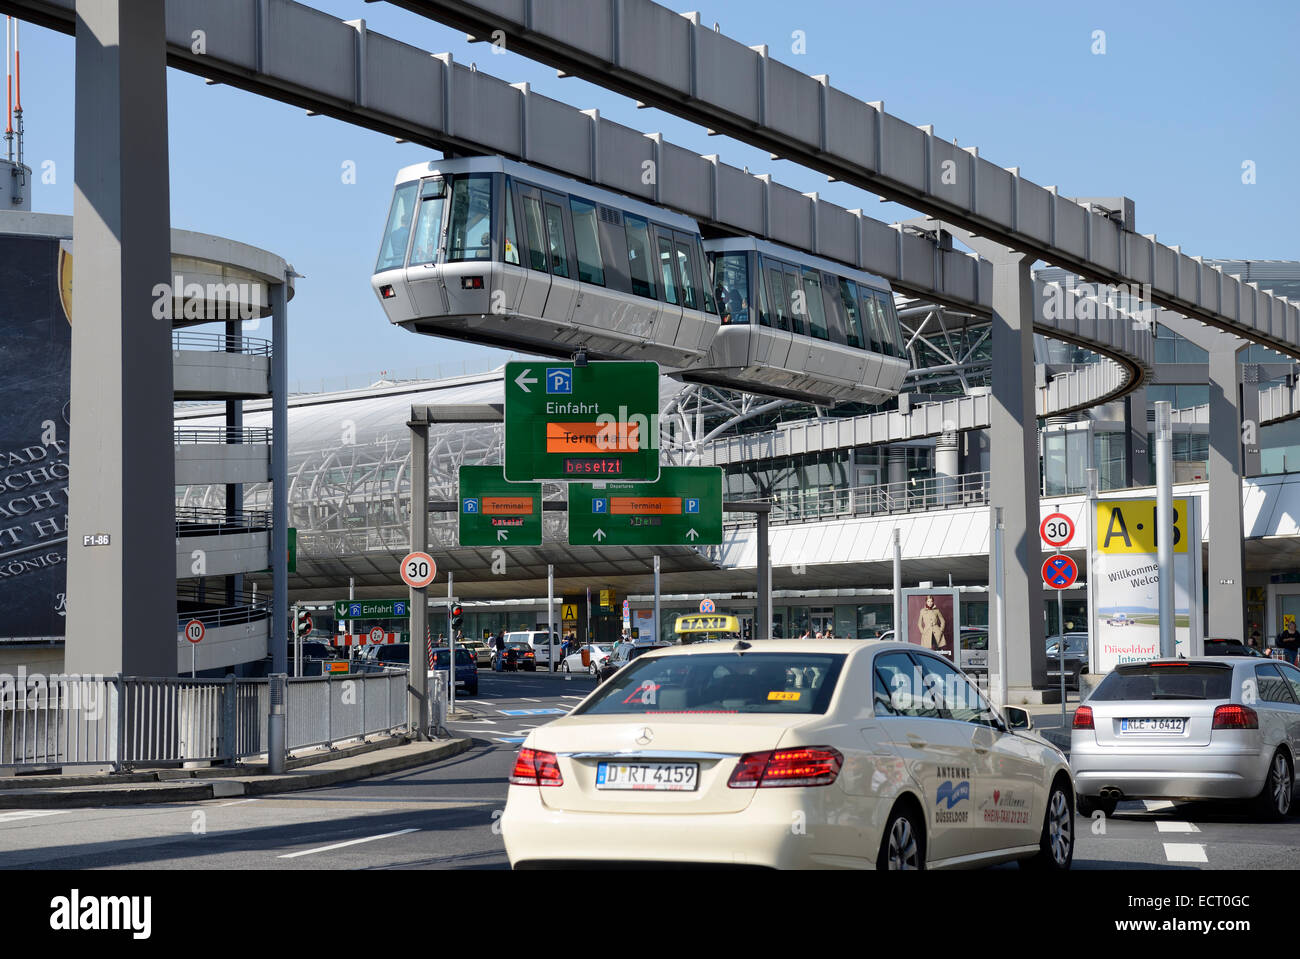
1057, 530
418, 570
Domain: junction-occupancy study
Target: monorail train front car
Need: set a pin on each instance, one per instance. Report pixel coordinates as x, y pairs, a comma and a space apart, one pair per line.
492, 251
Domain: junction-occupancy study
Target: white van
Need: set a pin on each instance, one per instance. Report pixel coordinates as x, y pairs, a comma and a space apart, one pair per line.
544, 653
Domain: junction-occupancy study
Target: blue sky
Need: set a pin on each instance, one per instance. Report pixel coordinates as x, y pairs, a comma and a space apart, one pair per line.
1184, 94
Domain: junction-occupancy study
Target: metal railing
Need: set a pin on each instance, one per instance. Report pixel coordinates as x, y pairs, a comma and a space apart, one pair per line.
932, 493
207, 521
124, 722
221, 343
245, 608
190, 435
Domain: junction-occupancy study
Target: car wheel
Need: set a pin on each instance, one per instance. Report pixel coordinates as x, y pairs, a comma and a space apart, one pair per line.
1274, 800
903, 846
1056, 844
1086, 805
591, 670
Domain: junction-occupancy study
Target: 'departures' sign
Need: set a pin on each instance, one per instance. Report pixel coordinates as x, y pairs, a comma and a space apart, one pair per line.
1125, 582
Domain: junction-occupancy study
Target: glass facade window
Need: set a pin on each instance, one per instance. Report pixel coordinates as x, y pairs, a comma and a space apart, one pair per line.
470, 228
392, 252
731, 276
591, 268
1172, 348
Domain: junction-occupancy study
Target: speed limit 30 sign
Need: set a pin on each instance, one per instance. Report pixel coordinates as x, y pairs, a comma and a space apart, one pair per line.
418, 570
1057, 530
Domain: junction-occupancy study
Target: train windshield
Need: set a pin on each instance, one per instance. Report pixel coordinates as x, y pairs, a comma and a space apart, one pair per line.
470, 228
392, 253
731, 276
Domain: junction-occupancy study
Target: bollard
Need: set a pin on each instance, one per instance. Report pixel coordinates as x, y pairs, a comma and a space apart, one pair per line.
275, 753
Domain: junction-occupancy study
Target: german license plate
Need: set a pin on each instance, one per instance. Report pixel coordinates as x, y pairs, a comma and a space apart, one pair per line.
1152, 725
673, 777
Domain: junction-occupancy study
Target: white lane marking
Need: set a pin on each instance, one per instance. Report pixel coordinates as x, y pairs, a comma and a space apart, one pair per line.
1185, 852
237, 802
350, 842
525, 699
1166, 825
573, 697
30, 814
1155, 805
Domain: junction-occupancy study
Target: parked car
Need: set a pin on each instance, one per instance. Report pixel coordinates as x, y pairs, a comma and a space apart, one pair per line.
596, 655
524, 657
385, 657
1231, 647
887, 753
543, 652
1222, 727
481, 652
974, 647
466, 668
1076, 658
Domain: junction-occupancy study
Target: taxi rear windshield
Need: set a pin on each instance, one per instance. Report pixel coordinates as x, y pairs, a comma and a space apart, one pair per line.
732, 682
1152, 681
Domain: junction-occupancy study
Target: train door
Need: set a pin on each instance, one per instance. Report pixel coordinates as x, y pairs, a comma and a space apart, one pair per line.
670, 285
778, 307
423, 279
546, 215
530, 249
797, 303
696, 329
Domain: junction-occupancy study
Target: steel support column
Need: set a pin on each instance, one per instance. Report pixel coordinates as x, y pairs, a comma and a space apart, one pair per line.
121, 582
419, 599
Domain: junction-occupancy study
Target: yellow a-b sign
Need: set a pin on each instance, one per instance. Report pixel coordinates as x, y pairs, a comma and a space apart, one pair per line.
1129, 526
569, 611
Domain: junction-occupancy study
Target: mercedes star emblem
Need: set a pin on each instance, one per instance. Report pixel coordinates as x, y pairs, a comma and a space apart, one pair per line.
646, 736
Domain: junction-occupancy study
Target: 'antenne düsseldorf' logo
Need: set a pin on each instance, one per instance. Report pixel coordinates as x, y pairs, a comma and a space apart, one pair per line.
952, 794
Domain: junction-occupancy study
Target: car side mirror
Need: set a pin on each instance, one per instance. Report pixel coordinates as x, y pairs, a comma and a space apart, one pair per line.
1018, 718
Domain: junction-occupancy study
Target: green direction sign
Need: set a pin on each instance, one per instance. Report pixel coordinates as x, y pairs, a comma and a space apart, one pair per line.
494, 512
574, 423
684, 508
371, 609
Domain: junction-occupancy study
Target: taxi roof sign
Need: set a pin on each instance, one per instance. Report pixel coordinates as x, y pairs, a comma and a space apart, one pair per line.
696, 623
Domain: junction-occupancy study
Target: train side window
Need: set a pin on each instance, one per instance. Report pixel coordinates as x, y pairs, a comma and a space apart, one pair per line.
428, 230
559, 250
639, 257
585, 234
796, 301
706, 276
666, 269
893, 335
536, 233
776, 298
812, 296
731, 271
852, 315
871, 321
687, 275
834, 313
512, 237
470, 226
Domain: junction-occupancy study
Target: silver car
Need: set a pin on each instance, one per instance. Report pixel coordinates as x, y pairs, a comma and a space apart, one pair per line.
1214, 727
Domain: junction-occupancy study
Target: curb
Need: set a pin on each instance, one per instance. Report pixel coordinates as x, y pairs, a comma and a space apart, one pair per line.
129, 793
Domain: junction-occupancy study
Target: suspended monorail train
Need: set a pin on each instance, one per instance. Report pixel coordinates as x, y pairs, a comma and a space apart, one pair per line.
492, 251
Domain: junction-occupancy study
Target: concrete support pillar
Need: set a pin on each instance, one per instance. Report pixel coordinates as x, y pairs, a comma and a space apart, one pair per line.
1137, 461
1227, 597
122, 590
945, 466
234, 491
1013, 475
1250, 465
897, 464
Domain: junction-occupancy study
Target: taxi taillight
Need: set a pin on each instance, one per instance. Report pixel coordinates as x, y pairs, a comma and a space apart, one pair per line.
806, 766
535, 767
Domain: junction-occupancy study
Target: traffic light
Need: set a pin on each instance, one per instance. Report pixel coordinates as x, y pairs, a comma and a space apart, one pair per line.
303, 624
457, 619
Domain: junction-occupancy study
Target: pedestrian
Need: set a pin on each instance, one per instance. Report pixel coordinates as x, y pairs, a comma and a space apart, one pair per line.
1254, 641
1289, 640
499, 643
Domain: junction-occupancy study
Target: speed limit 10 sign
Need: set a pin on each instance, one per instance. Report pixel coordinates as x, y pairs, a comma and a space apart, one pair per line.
194, 631
1057, 529
418, 570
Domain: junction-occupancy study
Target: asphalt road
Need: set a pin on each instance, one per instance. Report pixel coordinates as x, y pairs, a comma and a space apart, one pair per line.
445, 816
